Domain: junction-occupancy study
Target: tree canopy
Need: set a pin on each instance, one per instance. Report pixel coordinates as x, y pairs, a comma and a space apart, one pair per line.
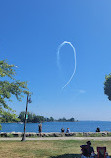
34, 118
37, 118
107, 86
9, 86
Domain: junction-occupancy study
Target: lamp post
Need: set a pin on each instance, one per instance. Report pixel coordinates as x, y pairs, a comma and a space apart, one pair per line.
28, 101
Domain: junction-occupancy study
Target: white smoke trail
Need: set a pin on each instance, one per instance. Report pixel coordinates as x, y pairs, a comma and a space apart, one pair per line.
58, 62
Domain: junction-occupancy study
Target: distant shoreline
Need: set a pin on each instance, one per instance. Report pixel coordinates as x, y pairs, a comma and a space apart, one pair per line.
40, 122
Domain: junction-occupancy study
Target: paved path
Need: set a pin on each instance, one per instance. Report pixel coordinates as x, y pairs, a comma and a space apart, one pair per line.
62, 138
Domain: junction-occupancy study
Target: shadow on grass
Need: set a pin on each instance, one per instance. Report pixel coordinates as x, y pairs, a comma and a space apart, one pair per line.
67, 156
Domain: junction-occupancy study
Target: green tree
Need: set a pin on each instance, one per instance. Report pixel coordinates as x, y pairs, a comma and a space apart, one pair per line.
62, 119
107, 86
38, 119
47, 119
71, 120
9, 86
7, 117
51, 119
31, 117
22, 116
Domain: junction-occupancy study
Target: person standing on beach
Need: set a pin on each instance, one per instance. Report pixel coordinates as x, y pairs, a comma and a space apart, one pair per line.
40, 129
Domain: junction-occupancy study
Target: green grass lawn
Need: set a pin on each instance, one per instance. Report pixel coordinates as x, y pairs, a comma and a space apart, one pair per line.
46, 149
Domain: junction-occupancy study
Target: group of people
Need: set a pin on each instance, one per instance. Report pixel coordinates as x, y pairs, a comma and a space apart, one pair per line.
87, 150
62, 129
67, 130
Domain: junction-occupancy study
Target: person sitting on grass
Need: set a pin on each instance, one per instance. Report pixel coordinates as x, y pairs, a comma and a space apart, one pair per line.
62, 130
68, 130
90, 148
87, 150
98, 129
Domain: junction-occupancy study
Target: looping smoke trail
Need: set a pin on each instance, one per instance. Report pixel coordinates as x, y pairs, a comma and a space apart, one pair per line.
58, 58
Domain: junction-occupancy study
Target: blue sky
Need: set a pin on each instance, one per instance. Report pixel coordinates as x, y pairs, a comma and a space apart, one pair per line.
30, 33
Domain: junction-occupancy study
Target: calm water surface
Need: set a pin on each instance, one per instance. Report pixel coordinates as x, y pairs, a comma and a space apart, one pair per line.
82, 126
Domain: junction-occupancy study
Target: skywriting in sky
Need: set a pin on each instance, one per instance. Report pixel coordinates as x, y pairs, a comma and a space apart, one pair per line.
58, 60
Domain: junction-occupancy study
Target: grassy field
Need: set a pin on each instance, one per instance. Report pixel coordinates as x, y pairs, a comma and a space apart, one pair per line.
46, 149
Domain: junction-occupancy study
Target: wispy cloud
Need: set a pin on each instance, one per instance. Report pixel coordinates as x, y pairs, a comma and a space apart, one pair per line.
82, 91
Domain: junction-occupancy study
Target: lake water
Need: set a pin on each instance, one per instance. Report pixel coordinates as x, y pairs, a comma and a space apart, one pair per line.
82, 126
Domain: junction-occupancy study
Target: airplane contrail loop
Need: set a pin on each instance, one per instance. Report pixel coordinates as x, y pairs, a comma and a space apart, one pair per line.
58, 60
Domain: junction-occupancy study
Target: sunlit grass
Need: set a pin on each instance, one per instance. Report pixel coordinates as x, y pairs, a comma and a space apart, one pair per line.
46, 149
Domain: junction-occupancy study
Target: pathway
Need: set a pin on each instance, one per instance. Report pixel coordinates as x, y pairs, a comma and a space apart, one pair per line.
61, 138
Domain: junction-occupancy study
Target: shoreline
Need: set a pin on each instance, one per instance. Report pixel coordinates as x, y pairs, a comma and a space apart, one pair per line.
56, 134
56, 138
